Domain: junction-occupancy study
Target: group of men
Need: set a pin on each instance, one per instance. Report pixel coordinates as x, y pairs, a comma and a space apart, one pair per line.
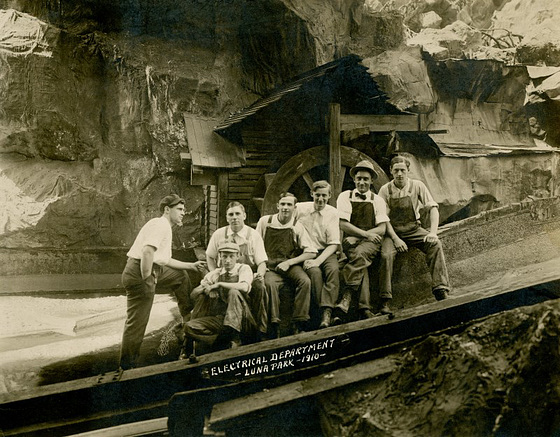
248, 269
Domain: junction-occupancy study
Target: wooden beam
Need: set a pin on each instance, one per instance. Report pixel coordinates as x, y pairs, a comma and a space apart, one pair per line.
334, 150
223, 197
381, 123
225, 413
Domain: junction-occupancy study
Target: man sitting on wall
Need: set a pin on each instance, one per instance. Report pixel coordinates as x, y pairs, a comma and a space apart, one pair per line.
363, 219
321, 222
251, 252
404, 197
221, 307
287, 245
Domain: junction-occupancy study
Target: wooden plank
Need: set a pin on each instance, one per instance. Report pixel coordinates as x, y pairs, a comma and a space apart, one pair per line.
380, 123
254, 404
242, 182
308, 180
240, 189
185, 156
144, 427
223, 197
335, 161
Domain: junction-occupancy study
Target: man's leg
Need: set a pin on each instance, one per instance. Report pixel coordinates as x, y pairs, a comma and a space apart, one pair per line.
139, 299
273, 281
205, 329
299, 278
180, 283
435, 260
259, 303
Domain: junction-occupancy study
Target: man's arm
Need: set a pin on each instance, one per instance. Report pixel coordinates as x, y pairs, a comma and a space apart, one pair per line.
434, 222
374, 234
147, 261
317, 262
197, 266
285, 265
212, 263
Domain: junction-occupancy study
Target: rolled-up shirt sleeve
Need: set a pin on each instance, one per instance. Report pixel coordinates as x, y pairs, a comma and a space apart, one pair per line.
344, 206
380, 210
425, 196
258, 247
332, 229
246, 275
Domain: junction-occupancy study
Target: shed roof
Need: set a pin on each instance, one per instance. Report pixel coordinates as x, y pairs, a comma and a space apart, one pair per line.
469, 142
207, 148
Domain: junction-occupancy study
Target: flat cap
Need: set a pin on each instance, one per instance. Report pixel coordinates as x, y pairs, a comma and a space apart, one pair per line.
364, 165
227, 246
170, 201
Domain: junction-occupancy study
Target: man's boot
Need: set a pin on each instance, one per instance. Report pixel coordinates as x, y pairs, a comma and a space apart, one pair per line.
367, 314
385, 310
344, 304
187, 350
440, 293
326, 318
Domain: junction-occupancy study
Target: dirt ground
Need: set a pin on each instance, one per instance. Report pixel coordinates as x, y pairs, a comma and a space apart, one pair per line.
499, 377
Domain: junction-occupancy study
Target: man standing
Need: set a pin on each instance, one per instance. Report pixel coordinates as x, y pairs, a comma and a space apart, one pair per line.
251, 252
287, 245
363, 219
404, 197
322, 224
221, 302
150, 264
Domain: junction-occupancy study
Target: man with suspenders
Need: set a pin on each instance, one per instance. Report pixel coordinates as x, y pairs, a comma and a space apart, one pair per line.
287, 245
251, 252
363, 219
404, 197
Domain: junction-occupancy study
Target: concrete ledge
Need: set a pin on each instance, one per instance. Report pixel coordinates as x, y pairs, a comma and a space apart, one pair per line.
59, 283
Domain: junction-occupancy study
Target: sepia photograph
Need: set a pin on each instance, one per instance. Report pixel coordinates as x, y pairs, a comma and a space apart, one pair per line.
279, 218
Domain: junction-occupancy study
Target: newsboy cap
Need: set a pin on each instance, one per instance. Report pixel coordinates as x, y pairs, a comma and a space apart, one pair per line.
226, 246
363, 165
170, 201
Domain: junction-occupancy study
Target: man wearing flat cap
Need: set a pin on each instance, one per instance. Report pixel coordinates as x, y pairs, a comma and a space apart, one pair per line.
150, 265
221, 308
363, 219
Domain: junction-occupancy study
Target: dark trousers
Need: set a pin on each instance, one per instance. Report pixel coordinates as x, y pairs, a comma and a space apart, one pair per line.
139, 299
296, 276
434, 256
360, 254
325, 282
258, 303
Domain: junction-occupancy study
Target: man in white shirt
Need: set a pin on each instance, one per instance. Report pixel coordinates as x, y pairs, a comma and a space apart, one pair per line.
405, 197
287, 246
251, 252
221, 308
149, 264
363, 219
321, 222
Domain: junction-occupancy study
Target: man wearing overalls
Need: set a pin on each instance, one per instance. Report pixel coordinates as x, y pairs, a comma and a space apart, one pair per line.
251, 252
404, 197
149, 265
321, 222
363, 219
287, 245
221, 306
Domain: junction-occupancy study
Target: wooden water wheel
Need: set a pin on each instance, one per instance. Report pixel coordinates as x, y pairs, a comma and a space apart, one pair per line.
299, 172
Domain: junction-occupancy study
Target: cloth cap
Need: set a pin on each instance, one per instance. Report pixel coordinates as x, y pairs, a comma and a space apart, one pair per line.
227, 246
363, 165
170, 201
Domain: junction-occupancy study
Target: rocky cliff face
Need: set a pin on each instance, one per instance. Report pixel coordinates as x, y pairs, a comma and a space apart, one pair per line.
93, 94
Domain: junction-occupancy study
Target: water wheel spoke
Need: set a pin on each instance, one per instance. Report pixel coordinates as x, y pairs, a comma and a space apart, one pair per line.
308, 179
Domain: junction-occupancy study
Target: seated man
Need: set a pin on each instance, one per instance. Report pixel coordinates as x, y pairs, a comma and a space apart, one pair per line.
287, 245
321, 222
404, 197
363, 220
220, 303
251, 252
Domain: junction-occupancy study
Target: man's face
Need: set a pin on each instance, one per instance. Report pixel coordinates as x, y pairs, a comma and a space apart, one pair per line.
321, 197
400, 174
362, 179
228, 259
235, 216
176, 214
286, 206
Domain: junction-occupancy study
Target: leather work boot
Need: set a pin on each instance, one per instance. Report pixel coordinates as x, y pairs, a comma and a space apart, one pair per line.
385, 307
344, 304
440, 293
326, 319
367, 314
298, 328
187, 349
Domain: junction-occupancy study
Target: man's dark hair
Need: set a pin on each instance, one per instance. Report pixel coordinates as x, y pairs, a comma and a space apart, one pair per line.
233, 204
321, 184
398, 159
287, 194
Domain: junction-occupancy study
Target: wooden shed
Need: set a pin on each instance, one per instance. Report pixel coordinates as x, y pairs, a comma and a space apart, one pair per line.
301, 132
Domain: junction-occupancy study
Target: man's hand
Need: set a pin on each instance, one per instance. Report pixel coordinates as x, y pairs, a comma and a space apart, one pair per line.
258, 276
284, 266
373, 236
199, 266
310, 263
400, 245
431, 238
